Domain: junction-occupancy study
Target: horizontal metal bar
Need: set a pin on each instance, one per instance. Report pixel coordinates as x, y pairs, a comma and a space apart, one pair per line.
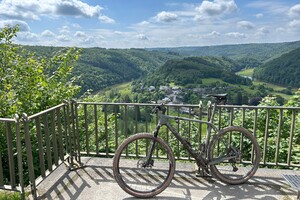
7, 120
259, 107
190, 105
137, 104
46, 111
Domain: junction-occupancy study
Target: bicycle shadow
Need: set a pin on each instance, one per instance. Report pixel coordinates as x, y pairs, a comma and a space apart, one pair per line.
96, 181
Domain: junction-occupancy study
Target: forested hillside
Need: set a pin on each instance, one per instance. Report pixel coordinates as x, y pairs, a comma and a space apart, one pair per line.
257, 51
100, 68
192, 70
284, 70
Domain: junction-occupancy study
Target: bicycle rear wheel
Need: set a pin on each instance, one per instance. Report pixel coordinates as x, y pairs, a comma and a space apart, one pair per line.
134, 174
234, 155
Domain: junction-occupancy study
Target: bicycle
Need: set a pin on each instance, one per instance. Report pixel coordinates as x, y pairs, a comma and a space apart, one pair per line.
144, 164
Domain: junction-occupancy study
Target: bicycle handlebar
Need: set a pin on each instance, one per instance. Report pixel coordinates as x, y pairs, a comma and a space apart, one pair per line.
219, 99
161, 108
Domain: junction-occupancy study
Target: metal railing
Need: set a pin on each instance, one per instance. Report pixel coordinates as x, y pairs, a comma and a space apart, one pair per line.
34, 146
105, 125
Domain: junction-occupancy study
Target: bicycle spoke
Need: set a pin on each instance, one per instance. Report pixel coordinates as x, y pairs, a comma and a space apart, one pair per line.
234, 155
136, 174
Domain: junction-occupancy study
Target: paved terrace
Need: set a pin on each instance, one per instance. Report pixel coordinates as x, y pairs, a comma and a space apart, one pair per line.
95, 181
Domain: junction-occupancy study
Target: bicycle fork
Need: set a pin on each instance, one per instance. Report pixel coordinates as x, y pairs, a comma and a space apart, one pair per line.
149, 161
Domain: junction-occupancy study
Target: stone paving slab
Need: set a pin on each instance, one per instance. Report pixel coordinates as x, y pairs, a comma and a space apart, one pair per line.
95, 181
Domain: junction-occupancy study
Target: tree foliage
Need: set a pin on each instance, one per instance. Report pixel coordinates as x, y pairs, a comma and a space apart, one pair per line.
191, 71
284, 70
100, 68
256, 53
30, 83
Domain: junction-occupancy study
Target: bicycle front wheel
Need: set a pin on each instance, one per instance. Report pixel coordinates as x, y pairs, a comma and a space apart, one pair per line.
139, 174
234, 155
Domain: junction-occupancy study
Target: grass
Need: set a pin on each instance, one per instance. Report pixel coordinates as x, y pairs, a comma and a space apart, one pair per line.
123, 89
207, 81
246, 72
269, 85
276, 88
5, 195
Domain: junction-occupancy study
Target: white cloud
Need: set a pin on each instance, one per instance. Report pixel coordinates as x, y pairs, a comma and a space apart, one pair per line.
143, 23
106, 19
18, 9
24, 27
295, 24
280, 30
47, 33
76, 8
215, 33
211, 35
259, 15
64, 30
245, 24
34, 9
295, 11
27, 37
77, 26
262, 31
166, 17
236, 35
215, 8
63, 38
142, 37
80, 34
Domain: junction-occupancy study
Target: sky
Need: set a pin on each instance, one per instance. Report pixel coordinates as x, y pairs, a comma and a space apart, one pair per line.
151, 23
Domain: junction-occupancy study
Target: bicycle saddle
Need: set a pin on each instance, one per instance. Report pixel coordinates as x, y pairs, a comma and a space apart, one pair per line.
220, 98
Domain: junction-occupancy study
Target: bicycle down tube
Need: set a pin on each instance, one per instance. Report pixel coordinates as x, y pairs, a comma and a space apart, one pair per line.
163, 121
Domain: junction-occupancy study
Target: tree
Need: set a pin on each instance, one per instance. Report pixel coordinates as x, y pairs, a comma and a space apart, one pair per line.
29, 83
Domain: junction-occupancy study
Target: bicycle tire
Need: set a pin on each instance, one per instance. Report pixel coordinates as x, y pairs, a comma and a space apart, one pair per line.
138, 180
244, 152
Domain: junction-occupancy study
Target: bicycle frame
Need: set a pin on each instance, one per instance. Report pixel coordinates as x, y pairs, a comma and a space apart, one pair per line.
164, 121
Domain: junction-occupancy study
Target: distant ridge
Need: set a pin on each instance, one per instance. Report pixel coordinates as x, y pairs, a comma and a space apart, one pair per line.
259, 51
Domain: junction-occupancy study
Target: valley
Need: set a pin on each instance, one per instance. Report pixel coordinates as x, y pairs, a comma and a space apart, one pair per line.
125, 75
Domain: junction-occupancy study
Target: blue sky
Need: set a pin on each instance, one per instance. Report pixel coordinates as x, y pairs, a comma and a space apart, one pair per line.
151, 23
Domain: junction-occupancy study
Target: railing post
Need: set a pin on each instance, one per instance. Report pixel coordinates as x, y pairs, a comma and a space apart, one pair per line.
68, 133
11, 163
292, 133
87, 142
200, 125
266, 136
76, 131
96, 129
29, 155
76, 145
106, 130
19, 157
